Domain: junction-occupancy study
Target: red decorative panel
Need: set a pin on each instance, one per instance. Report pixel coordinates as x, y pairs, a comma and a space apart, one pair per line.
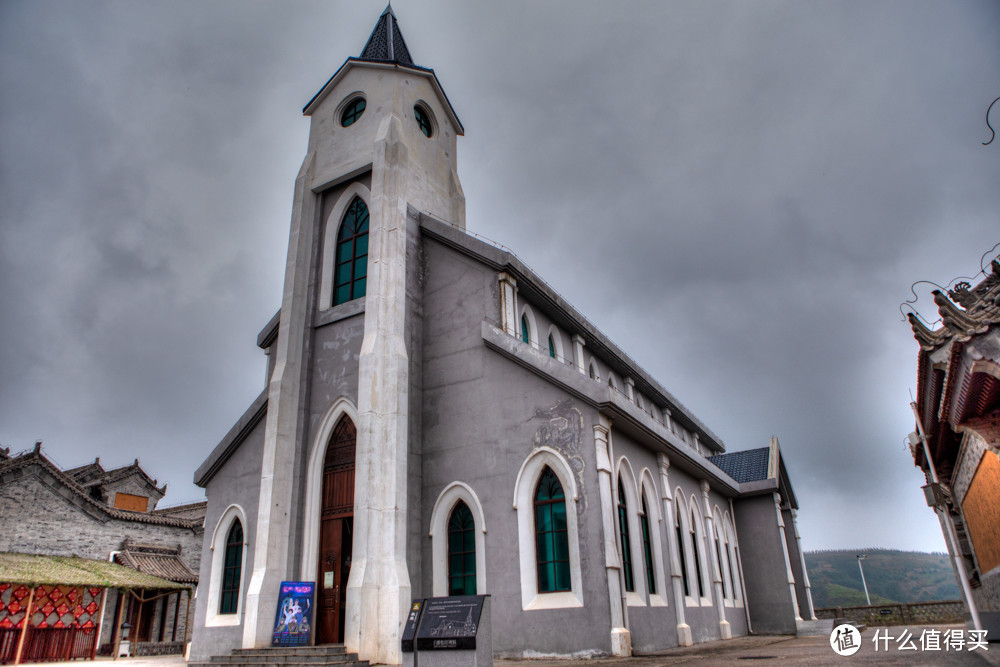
43, 624
40, 592
21, 593
94, 592
2, 605
62, 609
88, 624
58, 624
5, 623
4, 587
72, 595
92, 607
55, 594
78, 611
47, 608
14, 607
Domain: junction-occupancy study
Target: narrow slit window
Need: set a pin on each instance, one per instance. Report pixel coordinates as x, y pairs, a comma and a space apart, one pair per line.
680, 552
627, 572
647, 548
697, 554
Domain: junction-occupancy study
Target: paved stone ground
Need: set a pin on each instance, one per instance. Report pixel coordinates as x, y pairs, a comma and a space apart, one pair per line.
739, 652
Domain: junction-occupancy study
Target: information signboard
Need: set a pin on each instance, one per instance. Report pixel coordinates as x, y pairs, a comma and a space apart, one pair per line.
449, 623
293, 617
410, 628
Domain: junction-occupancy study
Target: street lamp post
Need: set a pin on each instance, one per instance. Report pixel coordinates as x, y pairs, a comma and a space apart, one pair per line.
861, 557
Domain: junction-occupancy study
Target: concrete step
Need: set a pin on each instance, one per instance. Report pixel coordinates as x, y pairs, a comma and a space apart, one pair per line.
298, 656
339, 663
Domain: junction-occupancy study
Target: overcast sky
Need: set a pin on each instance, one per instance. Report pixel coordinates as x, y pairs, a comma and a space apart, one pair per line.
739, 194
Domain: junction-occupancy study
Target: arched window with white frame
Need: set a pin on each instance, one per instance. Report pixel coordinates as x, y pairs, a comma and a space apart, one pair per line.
546, 501
529, 327
732, 558
455, 561
683, 548
656, 582
227, 582
701, 563
345, 248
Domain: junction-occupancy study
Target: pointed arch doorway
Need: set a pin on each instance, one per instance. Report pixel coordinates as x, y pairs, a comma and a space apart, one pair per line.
336, 532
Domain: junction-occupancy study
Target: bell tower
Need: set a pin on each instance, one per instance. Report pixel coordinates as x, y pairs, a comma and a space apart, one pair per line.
382, 131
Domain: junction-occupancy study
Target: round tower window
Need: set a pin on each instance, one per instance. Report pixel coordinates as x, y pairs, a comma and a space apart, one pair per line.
423, 120
352, 112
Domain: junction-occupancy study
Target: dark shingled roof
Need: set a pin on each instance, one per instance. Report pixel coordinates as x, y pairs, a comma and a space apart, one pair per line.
747, 466
386, 42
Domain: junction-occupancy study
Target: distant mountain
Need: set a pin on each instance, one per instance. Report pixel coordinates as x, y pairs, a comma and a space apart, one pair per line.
892, 576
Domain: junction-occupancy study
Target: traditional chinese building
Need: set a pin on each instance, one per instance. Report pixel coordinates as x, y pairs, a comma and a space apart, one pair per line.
438, 420
100, 515
958, 408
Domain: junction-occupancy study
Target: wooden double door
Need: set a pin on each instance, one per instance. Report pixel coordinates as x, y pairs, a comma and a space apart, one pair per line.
336, 533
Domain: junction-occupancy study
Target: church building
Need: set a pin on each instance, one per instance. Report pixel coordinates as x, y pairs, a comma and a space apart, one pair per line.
438, 421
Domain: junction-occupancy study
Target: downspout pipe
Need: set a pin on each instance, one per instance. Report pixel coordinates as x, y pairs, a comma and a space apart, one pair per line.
945, 515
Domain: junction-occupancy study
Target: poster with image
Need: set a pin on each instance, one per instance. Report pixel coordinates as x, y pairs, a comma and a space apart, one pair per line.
293, 617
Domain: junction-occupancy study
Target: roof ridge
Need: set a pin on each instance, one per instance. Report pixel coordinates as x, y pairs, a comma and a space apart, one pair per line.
35, 456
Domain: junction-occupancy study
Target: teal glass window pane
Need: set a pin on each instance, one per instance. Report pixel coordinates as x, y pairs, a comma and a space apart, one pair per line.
524, 329
423, 120
342, 294
552, 347
361, 267
353, 112
359, 288
562, 576
361, 244
558, 516
344, 253
343, 276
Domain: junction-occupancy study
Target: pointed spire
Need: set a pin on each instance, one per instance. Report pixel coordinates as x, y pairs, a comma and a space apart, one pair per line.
386, 42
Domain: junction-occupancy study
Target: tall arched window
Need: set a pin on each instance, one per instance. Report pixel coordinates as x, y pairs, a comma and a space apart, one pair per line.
525, 334
552, 543
647, 548
351, 265
680, 551
626, 543
697, 553
232, 570
461, 551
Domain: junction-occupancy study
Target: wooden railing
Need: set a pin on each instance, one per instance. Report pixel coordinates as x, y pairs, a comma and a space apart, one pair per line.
47, 644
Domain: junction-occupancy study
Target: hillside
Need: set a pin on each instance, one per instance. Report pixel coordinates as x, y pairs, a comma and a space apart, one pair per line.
893, 576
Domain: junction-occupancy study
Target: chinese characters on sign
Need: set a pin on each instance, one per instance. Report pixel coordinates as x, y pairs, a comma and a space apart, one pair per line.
931, 639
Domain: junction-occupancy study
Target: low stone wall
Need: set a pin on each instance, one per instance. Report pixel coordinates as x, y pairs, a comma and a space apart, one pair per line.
913, 613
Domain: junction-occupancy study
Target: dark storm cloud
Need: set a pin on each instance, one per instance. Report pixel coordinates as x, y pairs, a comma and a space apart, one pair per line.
739, 194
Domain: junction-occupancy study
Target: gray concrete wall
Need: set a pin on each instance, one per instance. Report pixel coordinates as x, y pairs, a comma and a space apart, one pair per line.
482, 417
237, 482
768, 596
